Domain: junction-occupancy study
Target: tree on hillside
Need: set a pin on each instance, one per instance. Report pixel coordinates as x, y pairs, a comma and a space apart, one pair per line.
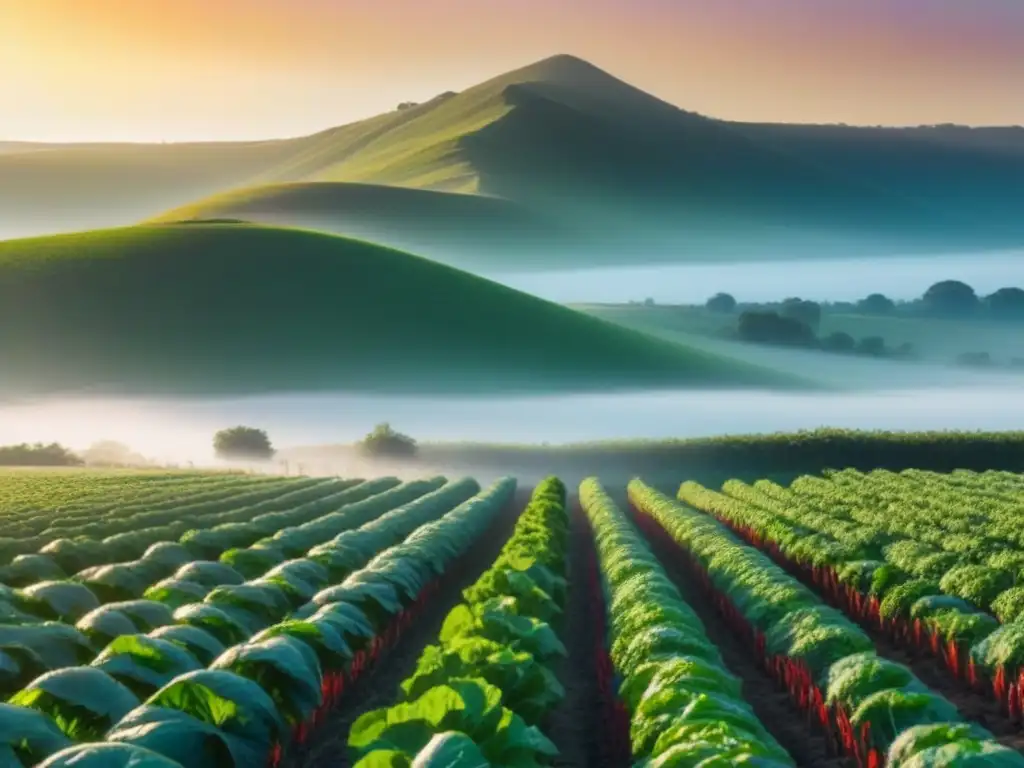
246, 443
1006, 304
839, 342
807, 312
384, 441
722, 302
876, 304
872, 345
951, 298
772, 328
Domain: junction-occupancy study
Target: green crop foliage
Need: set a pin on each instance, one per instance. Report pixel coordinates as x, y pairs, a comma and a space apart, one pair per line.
488, 682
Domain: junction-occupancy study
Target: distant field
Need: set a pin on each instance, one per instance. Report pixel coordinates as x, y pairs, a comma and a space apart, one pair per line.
234, 309
934, 340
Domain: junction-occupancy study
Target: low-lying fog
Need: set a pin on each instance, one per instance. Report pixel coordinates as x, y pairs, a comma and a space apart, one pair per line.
819, 280
182, 430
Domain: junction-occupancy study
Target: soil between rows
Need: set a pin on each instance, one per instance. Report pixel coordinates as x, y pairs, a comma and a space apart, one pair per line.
576, 725
805, 741
327, 746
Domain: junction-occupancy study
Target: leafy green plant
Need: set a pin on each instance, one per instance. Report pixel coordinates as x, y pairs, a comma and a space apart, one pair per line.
493, 655
27, 736
684, 705
144, 664
108, 756
84, 702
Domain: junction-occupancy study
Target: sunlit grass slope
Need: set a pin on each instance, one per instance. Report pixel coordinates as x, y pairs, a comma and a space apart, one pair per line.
236, 308
631, 178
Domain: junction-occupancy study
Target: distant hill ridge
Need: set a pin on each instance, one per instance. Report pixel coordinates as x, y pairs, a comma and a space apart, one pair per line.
593, 171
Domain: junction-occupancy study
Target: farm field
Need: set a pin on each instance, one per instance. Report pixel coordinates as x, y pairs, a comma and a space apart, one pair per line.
192, 619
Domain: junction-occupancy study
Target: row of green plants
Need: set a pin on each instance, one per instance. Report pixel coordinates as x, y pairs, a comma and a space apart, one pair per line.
483, 692
115, 563
223, 683
123, 534
216, 597
874, 708
173, 567
942, 602
97, 500
39, 494
683, 704
970, 522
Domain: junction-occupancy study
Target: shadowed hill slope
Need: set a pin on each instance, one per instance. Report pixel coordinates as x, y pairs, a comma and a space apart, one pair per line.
632, 178
235, 309
468, 231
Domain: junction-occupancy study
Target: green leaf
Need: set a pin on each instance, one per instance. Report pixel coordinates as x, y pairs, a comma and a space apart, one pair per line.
225, 700
470, 706
30, 732
191, 742
83, 701
458, 620
109, 756
450, 750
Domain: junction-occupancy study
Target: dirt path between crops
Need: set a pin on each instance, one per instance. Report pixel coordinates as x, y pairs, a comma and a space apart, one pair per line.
327, 747
576, 725
805, 741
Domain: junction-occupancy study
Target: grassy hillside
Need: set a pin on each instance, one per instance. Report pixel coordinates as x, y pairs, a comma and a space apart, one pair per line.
646, 181
468, 231
235, 309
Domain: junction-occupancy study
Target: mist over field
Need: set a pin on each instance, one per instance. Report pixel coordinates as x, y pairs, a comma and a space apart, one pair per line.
825, 279
181, 431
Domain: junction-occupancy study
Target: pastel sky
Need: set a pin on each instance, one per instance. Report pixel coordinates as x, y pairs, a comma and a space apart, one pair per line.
218, 69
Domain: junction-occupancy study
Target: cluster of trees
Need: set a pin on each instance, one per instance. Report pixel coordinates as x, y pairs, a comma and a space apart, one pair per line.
952, 298
38, 455
948, 298
252, 444
795, 324
791, 330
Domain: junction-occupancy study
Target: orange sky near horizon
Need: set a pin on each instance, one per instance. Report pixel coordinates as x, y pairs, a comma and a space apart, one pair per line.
152, 70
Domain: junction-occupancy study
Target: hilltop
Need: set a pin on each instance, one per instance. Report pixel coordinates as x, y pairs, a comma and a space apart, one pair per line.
234, 309
594, 171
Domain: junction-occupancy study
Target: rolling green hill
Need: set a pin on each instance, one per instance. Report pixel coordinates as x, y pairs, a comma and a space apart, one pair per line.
468, 231
234, 309
626, 177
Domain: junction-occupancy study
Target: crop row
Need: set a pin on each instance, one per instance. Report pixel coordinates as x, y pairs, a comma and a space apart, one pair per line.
169, 568
214, 596
27, 494
935, 602
683, 705
125, 532
873, 706
485, 689
271, 677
